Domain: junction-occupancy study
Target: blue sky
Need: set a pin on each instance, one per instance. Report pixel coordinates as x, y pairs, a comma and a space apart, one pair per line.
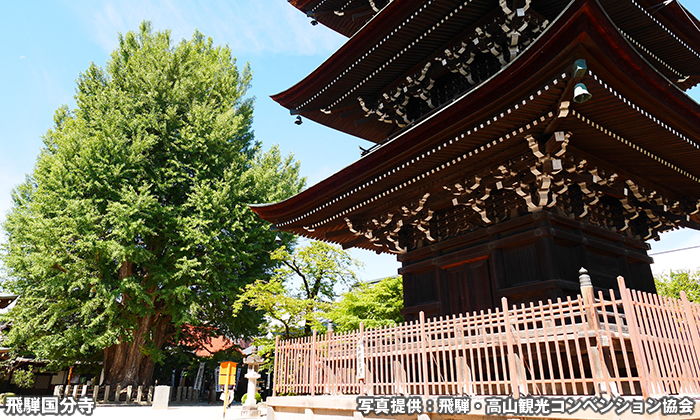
46, 44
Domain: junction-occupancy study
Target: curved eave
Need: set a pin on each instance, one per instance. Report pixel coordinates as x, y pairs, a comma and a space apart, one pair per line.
375, 31
679, 21
663, 34
320, 84
583, 30
354, 15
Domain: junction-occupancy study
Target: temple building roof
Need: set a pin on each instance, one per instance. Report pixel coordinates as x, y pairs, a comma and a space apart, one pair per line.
514, 141
406, 36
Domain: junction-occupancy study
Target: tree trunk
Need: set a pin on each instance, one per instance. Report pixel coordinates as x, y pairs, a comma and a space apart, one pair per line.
125, 363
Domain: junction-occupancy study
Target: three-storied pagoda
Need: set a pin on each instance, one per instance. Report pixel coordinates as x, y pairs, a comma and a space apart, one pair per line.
515, 142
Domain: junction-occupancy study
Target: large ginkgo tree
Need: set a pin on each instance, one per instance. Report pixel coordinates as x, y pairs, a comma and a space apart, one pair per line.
135, 221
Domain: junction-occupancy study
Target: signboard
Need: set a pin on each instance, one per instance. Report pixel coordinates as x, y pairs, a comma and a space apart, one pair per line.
227, 373
227, 376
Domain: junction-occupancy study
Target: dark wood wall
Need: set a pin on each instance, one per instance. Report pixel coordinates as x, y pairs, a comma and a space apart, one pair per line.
531, 258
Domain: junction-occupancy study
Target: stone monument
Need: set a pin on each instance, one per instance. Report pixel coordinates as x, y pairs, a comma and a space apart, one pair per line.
161, 397
250, 407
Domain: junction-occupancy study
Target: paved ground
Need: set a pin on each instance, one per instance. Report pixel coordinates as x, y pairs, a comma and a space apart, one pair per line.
177, 412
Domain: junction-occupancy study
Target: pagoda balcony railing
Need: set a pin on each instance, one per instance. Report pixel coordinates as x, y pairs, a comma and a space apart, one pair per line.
639, 344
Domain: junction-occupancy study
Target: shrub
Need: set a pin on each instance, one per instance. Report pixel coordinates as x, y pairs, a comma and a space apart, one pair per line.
258, 398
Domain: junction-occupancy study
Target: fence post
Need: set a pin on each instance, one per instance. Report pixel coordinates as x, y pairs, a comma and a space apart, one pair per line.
276, 366
423, 355
596, 356
511, 357
328, 365
589, 300
635, 339
313, 363
361, 366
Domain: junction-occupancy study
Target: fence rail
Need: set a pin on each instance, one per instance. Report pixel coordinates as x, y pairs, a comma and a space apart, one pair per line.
129, 395
639, 344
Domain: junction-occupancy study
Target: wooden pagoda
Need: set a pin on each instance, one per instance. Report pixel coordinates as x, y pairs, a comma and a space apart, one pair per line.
515, 142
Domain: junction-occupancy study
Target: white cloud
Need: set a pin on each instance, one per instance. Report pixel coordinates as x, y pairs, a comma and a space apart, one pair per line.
251, 26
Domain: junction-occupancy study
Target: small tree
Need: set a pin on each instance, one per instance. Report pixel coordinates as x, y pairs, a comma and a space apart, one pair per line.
374, 305
301, 290
299, 294
672, 283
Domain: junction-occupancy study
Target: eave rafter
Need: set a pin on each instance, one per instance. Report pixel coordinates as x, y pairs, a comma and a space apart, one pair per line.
477, 54
549, 176
455, 142
645, 183
343, 16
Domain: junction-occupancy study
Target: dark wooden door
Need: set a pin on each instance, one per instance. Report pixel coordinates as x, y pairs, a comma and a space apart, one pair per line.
469, 287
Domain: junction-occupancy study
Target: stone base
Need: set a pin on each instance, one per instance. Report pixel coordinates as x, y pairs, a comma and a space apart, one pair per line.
247, 412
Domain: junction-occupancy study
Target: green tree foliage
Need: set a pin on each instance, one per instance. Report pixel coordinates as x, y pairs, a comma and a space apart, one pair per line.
301, 289
299, 294
135, 220
374, 305
672, 283
24, 378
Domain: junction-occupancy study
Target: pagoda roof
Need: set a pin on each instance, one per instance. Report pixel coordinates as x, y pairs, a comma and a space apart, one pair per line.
406, 35
343, 16
636, 126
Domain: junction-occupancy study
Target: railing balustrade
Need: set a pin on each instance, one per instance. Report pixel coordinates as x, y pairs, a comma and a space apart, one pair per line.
638, 344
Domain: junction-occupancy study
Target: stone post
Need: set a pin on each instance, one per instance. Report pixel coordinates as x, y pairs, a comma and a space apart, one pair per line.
250, 407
